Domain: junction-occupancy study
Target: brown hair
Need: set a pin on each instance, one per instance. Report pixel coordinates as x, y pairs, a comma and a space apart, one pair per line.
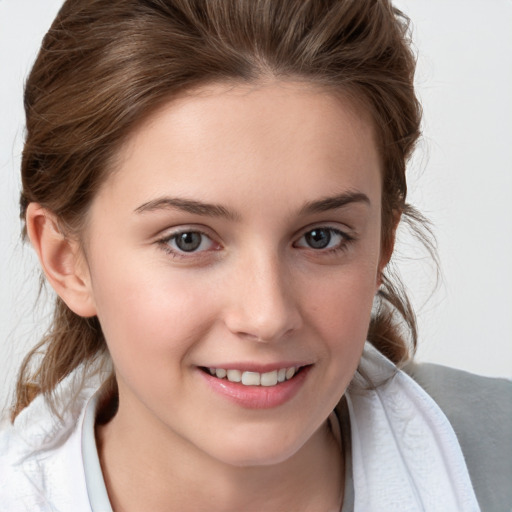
104, 66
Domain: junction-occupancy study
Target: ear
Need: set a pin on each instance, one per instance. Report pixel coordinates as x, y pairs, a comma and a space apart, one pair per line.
62, 260
388, 248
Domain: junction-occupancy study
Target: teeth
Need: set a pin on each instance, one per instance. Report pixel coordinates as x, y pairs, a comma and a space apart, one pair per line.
220, 373
290, 372
234, 375
251, 378
254, 378
269, 379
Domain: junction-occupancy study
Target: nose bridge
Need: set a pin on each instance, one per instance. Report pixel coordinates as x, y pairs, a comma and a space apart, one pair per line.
262, 303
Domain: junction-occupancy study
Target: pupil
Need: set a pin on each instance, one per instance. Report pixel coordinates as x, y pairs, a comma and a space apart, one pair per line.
318, 238
188, 241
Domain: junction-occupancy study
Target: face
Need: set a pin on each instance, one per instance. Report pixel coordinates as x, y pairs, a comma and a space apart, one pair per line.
239, 236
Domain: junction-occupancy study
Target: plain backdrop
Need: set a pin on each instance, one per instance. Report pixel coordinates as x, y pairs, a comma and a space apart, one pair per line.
460, 177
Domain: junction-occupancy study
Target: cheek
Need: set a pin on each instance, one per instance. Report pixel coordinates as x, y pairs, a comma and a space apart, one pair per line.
342, 315
149, 314
340, 305
339, 314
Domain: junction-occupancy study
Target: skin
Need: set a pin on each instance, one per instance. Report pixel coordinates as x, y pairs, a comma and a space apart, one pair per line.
254, 292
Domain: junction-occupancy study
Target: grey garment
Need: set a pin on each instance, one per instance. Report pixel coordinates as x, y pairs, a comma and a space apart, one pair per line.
344, 420
480, 412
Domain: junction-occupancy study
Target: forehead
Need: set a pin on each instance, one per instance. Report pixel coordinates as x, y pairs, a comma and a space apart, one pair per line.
273, 138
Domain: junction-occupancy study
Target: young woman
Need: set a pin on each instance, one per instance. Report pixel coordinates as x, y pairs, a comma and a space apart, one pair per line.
213, 189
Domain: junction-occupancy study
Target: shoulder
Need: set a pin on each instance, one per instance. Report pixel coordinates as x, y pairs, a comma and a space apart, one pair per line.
41, 454
480, 411
41, 473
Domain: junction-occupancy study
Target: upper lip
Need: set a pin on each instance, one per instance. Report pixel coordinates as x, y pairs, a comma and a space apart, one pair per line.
258, 367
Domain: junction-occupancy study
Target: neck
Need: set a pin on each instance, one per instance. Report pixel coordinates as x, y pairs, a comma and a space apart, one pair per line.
163, 471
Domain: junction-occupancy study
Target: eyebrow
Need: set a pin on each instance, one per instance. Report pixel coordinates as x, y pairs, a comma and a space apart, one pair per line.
334, 202
215, 210
188, 205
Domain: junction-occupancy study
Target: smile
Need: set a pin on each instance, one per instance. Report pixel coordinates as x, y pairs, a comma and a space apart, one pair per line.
248, 378
257, 390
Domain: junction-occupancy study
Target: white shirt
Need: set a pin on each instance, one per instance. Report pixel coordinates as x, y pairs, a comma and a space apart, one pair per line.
405, 455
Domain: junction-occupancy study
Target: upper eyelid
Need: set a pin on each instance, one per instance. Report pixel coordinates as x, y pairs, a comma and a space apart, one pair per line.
178, 230
171, 232
345, 231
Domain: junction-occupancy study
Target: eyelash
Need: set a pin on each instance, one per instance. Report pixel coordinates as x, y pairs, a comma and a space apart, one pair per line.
345, 240
178, 253
343, 245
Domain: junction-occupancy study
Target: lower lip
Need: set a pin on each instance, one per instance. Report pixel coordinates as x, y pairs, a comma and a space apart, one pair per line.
257, 397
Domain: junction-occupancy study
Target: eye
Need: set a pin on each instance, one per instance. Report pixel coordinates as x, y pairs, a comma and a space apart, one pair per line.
322, 238
188, 242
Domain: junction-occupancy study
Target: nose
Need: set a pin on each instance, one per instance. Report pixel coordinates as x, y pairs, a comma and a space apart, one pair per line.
262, 299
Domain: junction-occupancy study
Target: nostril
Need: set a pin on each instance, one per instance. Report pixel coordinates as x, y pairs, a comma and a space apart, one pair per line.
251, 337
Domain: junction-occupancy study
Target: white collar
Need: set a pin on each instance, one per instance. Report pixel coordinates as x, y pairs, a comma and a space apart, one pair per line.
96, 489
405, 454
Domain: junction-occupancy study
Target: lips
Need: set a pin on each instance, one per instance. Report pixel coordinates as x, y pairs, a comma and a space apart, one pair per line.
252, 378
251, 389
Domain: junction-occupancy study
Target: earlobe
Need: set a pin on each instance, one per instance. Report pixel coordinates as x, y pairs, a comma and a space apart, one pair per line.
61, 259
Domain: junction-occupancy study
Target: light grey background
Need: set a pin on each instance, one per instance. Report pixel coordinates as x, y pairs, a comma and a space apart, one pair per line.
461, 177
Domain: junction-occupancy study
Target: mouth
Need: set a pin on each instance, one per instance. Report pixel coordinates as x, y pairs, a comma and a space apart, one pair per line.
251, 389
250, 378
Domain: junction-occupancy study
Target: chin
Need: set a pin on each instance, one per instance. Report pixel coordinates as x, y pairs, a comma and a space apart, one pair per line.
259, 448
256, 458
